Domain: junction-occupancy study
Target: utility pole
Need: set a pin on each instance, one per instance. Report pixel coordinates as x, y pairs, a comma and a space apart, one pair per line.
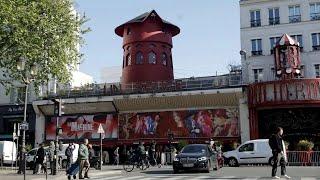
57, 113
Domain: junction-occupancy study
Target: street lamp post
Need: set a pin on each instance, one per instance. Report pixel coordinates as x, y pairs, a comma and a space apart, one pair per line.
24, 126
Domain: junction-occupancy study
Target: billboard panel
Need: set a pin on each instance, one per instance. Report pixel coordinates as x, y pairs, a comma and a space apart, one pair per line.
189, 123
83, 126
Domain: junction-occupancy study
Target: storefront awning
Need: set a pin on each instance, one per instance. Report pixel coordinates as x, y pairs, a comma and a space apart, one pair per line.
81, 108
177, 101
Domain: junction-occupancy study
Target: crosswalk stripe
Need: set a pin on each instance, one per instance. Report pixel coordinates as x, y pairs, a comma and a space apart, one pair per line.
108, 178
135, 177
176, 177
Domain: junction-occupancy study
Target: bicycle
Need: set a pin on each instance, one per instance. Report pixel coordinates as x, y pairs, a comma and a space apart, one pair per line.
133, 161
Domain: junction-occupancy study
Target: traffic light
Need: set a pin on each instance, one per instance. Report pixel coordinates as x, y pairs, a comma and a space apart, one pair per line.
58, 107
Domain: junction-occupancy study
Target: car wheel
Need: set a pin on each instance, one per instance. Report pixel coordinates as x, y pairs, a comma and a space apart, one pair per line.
233, 162
175, 171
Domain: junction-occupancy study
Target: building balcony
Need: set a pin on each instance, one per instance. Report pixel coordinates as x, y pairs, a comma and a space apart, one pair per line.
256, 23
274, 21
295, 19
256, 53
284, 93
188, 84
315, 16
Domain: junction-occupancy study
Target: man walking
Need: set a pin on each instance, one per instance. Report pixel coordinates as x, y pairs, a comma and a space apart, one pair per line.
40, 160
278, 151
116, 156
69, 154
84, 161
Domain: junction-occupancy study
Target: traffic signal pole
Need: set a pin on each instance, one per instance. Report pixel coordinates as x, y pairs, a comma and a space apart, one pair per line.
57, 113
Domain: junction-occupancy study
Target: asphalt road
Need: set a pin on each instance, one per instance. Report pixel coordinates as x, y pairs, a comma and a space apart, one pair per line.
248, 173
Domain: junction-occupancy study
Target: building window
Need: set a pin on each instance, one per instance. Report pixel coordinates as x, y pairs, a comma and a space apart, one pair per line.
315, 11
316, 41
171, 63
258, 75
128, 48
128, 31
139, 58
274, 17
298, 38
273, 42
128, 60
123, 62
317, 70
302, 70
255, 18
256, 47
152, 58
164, 59
138, 46
294, 14
152, 46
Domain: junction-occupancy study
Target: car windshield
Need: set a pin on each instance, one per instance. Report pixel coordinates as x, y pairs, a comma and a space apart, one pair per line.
194, 149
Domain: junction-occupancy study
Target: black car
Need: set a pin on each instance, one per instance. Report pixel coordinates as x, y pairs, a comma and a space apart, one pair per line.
195, 157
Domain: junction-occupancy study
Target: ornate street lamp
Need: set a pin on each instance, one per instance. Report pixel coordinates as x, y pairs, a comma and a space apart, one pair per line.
24, 126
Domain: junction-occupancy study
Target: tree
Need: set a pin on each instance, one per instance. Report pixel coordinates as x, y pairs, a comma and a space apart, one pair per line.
47, 33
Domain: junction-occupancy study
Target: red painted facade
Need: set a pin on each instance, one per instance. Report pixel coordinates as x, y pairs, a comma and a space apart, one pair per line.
290, 91
147, 44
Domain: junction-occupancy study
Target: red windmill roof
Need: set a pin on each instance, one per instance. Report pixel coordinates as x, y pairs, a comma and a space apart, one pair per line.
287, 40
139, 19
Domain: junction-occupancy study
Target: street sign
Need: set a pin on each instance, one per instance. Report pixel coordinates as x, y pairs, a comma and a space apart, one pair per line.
100, 129
24, 126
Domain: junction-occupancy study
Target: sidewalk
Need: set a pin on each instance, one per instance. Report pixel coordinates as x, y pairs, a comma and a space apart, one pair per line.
10, 174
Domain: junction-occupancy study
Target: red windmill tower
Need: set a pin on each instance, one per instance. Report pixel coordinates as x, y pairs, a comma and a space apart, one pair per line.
287, 58
147, 44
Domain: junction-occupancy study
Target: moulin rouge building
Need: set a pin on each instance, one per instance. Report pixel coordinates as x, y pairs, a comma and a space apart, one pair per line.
150, 104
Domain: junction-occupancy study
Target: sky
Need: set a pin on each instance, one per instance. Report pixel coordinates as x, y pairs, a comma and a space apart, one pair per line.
209, 39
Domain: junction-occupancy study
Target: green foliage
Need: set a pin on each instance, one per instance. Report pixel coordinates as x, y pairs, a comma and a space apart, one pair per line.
28, 147
182, 143
305, 145
45, 32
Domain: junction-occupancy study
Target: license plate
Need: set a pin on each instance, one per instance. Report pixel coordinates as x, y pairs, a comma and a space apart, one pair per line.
187, 165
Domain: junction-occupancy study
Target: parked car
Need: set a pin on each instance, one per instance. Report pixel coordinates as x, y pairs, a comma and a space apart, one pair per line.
8, 152
61, 154
195, 157
251, 152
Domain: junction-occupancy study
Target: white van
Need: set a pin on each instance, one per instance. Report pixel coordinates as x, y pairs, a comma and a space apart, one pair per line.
251, 152
8, 152
61, 154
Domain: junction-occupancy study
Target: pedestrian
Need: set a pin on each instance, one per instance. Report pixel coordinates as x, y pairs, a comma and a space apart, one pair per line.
40, 158
279, 153
105, 155
69, 155
116, 156
84, 159
20, 160
52, 157
91, 154
153, 152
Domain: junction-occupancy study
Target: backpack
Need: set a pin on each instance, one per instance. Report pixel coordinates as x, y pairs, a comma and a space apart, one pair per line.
68, 152
271, 143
